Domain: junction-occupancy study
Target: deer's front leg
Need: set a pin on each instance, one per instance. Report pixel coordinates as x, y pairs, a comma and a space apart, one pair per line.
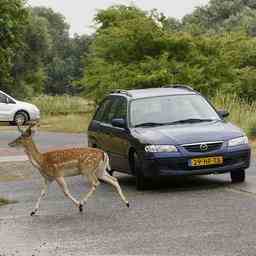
43, 193
94, 182
64, 187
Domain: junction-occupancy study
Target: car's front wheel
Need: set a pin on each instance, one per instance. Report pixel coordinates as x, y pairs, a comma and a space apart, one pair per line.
238, 176
21, 118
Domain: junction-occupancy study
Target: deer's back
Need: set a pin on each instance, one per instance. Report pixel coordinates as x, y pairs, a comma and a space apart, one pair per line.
59, 161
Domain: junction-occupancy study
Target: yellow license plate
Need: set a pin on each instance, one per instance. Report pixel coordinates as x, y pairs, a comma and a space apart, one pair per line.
217, 160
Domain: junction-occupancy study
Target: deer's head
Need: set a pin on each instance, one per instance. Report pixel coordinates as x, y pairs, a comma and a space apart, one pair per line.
25, 137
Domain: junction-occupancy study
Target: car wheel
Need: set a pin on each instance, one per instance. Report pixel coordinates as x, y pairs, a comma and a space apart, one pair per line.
141, 183
238, 176
21, 117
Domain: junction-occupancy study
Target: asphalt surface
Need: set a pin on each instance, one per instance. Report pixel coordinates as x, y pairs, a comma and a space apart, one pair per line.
192, 216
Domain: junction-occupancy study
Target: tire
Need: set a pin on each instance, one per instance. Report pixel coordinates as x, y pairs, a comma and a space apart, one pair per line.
141, 183
238, 176
21, 117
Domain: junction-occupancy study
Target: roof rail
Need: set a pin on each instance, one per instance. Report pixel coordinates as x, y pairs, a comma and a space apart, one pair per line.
122, 92
179, 86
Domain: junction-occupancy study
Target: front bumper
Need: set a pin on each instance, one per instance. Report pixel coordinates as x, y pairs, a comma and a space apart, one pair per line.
178, 165
34, 116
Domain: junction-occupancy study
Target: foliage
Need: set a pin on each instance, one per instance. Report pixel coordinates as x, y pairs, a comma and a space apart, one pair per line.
37, 55
13, 17
212, 49
28, 70
222, 16
64, 63
132, 50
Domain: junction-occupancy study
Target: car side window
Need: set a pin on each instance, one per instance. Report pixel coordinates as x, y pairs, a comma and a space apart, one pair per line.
110, 113
121, 110
2, 98
102, 109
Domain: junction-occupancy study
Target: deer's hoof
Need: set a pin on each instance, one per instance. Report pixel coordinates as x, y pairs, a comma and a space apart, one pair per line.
128, 205
32, 213
81, 208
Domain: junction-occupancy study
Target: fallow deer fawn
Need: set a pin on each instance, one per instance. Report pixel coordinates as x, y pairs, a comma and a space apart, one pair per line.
55, 165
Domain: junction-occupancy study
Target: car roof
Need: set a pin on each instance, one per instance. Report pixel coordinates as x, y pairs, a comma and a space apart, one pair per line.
155, 92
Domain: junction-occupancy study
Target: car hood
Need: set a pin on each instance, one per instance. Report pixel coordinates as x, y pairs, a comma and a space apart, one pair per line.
188, 133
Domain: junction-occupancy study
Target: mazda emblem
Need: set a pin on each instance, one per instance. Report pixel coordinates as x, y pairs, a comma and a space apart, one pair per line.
203, 147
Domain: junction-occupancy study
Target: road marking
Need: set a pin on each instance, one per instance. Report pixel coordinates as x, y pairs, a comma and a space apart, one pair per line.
13, 159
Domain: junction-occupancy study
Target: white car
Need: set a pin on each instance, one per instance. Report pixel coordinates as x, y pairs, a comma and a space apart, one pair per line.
12, 110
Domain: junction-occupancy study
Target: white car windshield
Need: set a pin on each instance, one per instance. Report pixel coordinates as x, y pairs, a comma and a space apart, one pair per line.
171, 110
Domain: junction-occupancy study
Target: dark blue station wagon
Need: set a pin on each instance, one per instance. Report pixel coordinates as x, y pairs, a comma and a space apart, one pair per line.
168, 131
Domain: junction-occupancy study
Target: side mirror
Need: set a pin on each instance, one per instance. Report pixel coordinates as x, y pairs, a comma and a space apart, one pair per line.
223, 113
119, 122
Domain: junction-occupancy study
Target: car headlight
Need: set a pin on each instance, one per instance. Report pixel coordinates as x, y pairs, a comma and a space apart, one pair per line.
160, 148
238, 141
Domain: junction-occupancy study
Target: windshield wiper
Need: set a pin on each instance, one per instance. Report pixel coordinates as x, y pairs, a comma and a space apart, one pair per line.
191, 120
149, 124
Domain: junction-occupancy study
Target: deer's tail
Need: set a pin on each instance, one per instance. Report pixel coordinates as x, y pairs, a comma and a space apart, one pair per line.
106, 162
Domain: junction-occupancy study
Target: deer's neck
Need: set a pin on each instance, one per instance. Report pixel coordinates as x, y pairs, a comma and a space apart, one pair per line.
34, 155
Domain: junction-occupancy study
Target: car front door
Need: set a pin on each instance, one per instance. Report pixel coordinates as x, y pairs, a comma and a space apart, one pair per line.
6, 107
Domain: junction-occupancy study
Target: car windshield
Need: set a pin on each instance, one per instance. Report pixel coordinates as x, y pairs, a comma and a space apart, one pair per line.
171, 110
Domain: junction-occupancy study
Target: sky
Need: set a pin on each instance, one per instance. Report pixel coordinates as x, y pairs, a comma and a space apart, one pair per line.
80, 13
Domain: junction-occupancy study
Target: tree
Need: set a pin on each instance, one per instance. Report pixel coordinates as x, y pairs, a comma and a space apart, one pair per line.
132, 50
13, 17
28, 70
222, 16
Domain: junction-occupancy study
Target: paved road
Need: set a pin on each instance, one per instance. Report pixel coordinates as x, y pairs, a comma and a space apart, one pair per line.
44, 140
192, 216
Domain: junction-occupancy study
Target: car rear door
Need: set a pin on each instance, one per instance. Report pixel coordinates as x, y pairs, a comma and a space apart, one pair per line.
5, 108
95, 134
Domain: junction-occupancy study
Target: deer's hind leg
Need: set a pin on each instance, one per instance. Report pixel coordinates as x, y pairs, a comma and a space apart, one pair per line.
114, 182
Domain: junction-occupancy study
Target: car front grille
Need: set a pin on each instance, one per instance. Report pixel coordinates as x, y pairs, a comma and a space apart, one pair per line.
203, 147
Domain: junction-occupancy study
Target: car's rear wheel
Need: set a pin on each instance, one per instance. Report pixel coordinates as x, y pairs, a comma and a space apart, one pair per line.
21, 118
141, 182
238, 176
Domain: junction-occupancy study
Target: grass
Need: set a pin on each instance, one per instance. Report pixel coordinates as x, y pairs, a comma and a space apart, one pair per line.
73, 123
5, 201
241, 112
62, 105
65, 113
